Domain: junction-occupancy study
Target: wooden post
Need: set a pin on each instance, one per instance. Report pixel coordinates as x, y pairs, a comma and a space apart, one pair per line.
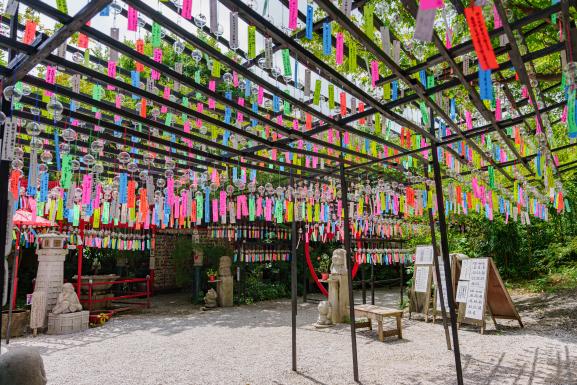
445, 252
347, 231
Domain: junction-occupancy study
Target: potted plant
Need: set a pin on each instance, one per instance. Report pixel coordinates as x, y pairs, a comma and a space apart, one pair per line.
324, 266
211, 274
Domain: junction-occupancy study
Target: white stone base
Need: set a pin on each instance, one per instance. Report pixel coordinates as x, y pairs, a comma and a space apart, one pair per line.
68, 323
321, 326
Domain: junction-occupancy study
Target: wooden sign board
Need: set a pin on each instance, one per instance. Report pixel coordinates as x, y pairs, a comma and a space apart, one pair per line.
480, 290
420, 293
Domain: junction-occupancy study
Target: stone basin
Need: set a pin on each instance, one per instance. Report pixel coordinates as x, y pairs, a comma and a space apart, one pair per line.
96, 279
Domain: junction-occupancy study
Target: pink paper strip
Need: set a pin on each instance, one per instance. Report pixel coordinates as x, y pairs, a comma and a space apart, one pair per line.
498, 114
293, 14
468, 120
340, 48
215, 210
132, 19
374, 73
222, 203
186, 11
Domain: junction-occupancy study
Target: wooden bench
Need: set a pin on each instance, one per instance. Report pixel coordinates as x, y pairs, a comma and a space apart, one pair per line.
377, 313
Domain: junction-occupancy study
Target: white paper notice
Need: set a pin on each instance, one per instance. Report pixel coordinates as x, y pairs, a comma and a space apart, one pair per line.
443, 284
477, 285
462, 290
465, 270
421, 278
424, 255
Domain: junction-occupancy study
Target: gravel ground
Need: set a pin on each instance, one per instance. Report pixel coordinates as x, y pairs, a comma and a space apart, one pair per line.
176, 344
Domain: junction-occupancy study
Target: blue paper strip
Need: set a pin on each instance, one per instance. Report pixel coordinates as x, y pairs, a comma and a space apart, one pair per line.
327, 39
309, 27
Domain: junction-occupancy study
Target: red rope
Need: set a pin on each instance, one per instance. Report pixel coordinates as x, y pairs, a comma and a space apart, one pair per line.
312, 269
314, 273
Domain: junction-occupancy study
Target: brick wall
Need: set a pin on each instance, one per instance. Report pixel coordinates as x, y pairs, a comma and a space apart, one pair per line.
164, 270
164, 276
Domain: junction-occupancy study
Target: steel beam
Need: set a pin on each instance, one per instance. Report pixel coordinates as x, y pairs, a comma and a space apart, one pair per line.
59, 37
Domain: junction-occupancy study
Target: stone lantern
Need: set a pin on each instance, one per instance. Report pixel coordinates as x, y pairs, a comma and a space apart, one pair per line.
49, 278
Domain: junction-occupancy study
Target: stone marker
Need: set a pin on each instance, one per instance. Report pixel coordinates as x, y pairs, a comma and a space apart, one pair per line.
225, 286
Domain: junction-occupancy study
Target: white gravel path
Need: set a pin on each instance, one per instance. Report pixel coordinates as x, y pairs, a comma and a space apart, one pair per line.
252, 345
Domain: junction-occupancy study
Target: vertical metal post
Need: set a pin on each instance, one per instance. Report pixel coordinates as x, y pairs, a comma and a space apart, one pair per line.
4, 175
372, 284
401, 278
305, 282
80, 251
445, 252
293, 284
436, 265
347, 231
363, 286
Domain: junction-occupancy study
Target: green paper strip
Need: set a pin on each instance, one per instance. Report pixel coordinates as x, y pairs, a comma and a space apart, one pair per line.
430, 81
105, 212
331, 96
215, 69
572, 124
251, 52
352, 56
317, 95
286, 61
76, 215
424, 112
156, 39
62, 6
251, 208
369, 10
66, 171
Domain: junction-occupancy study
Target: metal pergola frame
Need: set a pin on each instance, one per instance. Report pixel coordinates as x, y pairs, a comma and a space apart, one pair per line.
24, 58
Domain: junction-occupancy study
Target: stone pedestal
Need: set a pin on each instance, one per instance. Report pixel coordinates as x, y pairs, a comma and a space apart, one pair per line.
224, 287
68, 323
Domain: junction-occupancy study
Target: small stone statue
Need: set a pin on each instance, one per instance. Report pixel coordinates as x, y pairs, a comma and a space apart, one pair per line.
324, 319
67, 301
210, 299
338, 265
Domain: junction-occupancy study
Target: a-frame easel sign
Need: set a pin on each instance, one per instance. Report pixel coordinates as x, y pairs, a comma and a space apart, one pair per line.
455, 260
420, 294
480, 291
